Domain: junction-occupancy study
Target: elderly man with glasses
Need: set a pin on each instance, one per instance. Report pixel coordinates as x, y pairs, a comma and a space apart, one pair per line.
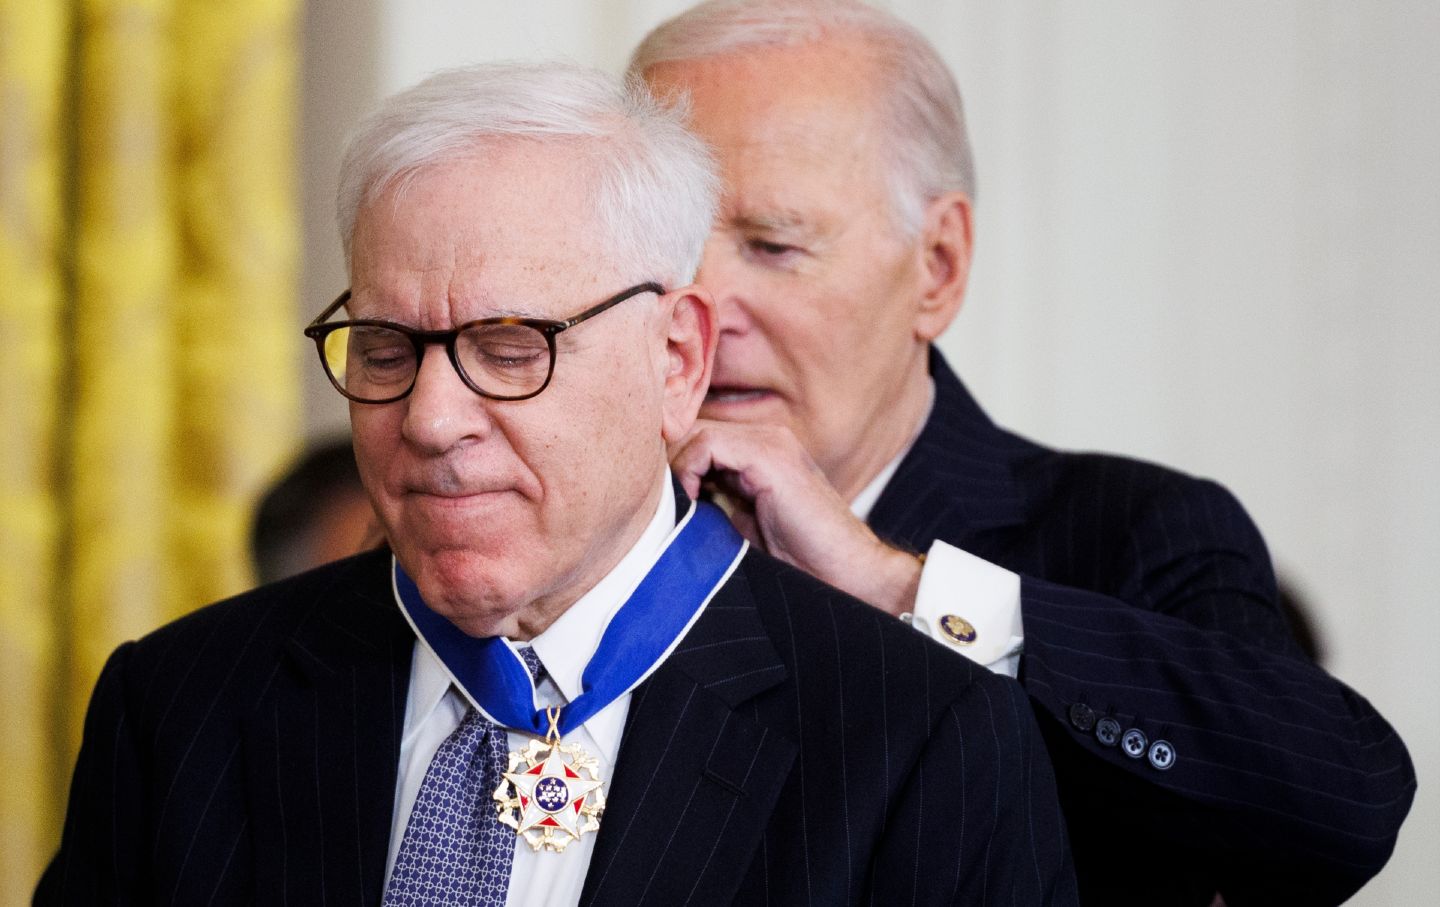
564, 681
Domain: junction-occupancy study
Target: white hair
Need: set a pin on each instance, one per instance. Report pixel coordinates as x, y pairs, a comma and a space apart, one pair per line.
928, 150
655, 192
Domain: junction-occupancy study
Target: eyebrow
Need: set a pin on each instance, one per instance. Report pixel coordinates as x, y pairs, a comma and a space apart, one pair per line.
498, 312
514, 313
776, 220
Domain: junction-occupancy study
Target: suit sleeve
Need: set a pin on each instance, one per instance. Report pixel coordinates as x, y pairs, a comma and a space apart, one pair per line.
100, 849
1297, 778
978, 821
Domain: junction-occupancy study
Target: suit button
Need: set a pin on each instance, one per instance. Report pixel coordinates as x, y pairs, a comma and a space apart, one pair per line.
1133, 743
1107, 731
1082, 717
1162, 754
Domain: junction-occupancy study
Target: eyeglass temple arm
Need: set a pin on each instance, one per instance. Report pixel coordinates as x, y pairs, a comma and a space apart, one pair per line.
330, 309
613, 301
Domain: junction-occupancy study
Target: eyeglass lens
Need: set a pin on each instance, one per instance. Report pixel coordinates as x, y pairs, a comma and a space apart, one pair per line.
378, 363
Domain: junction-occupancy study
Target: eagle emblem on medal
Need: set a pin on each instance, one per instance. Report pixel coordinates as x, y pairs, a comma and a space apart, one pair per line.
551, 794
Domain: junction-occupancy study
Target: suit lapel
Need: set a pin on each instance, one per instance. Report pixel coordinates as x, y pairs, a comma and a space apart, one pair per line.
958, 478
322, 756
697, 778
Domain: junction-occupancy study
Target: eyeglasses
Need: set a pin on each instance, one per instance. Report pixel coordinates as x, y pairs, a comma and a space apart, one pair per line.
503, 358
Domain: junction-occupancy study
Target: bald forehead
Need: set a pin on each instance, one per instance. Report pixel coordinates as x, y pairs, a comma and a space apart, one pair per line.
777, 114
841, 71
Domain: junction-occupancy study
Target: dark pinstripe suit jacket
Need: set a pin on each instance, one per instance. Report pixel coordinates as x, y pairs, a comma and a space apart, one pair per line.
798, 748
1148, 597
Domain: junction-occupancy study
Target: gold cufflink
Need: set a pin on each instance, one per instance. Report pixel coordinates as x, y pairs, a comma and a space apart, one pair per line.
958, 630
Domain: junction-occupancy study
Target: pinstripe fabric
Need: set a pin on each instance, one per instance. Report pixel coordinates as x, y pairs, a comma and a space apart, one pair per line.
798, 748
1148, 596
245, 753
802, 748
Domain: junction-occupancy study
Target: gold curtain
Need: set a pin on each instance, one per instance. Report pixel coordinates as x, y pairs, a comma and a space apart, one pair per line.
149, 344
33, 46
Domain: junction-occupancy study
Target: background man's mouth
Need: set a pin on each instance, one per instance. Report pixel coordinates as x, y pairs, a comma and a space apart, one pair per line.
734, 395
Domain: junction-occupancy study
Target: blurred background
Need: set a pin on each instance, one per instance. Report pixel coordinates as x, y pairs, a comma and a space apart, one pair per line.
1208, 234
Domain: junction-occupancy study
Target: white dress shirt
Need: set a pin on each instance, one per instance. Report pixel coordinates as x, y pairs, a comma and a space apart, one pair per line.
434, 708
957, 584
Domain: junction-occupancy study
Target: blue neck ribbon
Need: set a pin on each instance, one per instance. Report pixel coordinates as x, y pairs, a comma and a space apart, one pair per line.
698, 557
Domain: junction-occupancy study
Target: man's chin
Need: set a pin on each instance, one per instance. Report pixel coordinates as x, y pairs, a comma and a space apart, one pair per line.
477, 615
457, 586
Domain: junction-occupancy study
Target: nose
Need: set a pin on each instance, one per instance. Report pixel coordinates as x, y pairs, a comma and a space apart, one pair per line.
441, 411
722, 273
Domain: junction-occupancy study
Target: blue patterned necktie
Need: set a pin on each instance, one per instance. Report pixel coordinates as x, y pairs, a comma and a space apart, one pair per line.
455, 851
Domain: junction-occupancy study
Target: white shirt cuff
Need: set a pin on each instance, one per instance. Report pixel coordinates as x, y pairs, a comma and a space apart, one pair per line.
971, 606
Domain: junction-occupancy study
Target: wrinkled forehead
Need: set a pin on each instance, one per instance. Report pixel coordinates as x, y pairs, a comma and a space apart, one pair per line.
509, 230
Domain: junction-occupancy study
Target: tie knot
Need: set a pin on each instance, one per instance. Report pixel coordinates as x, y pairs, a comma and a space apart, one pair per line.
532, 663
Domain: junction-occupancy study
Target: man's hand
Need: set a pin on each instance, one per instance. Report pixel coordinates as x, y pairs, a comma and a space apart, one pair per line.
780, 500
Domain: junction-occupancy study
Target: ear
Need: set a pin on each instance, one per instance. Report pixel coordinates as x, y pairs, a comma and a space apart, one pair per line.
945, 248
690, 354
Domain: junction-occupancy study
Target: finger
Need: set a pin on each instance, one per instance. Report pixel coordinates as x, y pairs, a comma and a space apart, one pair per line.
690, 461
744, 452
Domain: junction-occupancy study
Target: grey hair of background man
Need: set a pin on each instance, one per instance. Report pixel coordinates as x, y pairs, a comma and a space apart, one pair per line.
655, 190
920, 107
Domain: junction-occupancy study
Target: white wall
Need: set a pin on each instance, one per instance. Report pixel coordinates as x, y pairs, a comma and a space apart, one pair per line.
1209, 234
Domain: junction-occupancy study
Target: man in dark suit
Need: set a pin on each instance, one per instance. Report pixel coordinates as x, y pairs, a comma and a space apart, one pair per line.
739, 732
1197, 752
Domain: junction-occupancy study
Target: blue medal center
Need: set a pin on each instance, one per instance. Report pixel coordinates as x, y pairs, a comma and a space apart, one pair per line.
551, 794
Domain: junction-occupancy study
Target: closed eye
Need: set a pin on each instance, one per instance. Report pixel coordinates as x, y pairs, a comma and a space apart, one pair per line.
771, 253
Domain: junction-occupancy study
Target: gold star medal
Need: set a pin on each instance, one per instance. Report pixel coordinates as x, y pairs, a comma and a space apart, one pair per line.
552, 793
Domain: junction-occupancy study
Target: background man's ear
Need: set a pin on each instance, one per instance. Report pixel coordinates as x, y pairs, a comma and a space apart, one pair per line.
690, 354
946, 243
